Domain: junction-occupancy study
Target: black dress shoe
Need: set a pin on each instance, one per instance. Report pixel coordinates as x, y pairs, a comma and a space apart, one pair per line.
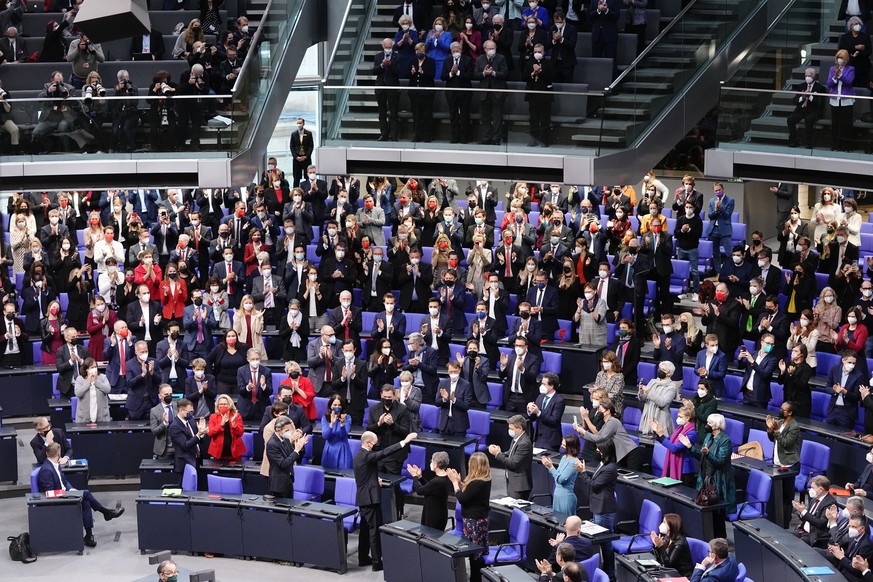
382, 138
377, 567
454, 140
111, 514
90, 541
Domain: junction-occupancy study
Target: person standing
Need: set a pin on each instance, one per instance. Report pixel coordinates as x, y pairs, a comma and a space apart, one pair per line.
385, 67
491, 70
785, 435
160, 418
435, 491
389, 421
474, 495
457, 73
368, 497
517, 460
283, 455
302, 145
538, 75
809, 109
564, 498
601, 496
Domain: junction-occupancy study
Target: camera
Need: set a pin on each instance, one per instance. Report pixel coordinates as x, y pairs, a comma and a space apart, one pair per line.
164, 88
126, 88
3, 94
60, 90
198, 81
90, 90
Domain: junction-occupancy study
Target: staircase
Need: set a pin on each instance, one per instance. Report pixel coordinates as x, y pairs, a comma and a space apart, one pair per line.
645, 89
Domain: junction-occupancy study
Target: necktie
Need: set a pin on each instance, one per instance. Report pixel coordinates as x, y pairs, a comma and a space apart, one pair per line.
600, 288
255, 389
269, 302
629, 276
229, 268
121, 355
200, 326
236, 230
346, 317
806, 97
508, 254
75, 364
749, 320
327, 364
406, 9
11, 327
546, 402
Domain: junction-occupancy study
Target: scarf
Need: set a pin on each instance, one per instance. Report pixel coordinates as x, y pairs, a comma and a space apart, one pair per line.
295, 321
673, 462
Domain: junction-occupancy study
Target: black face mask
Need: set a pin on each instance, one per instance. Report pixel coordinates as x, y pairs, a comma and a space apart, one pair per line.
632, 250
10, 316
781, 415
198, 302
294, 374
168, 399
224, 234
472, 355
387, 402
662, 374
524, 314
287, 400
174, 335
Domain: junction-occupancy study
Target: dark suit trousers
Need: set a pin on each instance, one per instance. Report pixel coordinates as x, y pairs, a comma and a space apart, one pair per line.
809, 117
422, 115
491, 110
540, 118
564, 74
298, 169
388, 102
459, 114
371, 521
89, 506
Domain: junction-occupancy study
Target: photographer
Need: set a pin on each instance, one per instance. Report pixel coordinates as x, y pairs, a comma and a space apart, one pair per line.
57, 116
125, 114
190, 111
84, 56
162, 113
207, 57
6, 123
94, 108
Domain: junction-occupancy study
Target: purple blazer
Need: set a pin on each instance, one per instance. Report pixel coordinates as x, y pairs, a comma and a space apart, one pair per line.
848, 77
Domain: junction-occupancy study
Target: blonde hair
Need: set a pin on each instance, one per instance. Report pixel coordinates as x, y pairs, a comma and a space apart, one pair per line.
291, 365
477, 469
692, 326
231, 405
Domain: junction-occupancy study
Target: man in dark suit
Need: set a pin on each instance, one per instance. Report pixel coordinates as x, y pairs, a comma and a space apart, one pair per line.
143, 380
376, 279
369, 495
856, 543
563, 47
151, 44
231, 274
173, 358
808, 108
14, 339
627, 347
145, 318
483, 331
454, 399
720, 317
239, 228
771, 276
546, 412
160, 418
452, 301
385, 67
255, 385
844, 380
200, 238
301, 146
420, 11
51, 478
13, 47
457, 73
145, 204
711, 364
519, 372
486, 198
491, 70
165, 235
349, 378
670, 344
813, 528
509, 259
543, 301
422, 361
389, 420
517, 460
199, 323
718, 566
527, 327
776, 323
52, 233
538, 75
786, 198
475, 368
658, 246
583, 546
283, 455
294, 411
35, 300
186, 436
414, 279
603, 16
337, 273
46, 435
758, 373
315, 192
392, 325
118, 348
842, 256
209, 202
346, 320
69, 358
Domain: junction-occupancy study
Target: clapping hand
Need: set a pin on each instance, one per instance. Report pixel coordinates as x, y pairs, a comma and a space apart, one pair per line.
657, 540
547, 462
557, 539
494, 450
544, 567
580, 466
685, 442
453, 476
414, 471
860, 563
836, 551
798, 506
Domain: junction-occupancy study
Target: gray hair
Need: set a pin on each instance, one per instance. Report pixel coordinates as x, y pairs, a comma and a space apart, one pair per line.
440, 459
253, 352
719, 546
416, 338
518, 420
668, 367
716, 420
282, 422
123, 74
163, 566
855, 20
197, 69
856, 502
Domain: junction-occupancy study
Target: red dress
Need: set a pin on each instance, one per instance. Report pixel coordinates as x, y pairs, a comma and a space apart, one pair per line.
99, 331
50, 359
216, 436
308, 401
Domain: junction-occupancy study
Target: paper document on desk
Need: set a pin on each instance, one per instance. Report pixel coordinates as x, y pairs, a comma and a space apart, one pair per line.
538, 451
592, 529
512, 502
118, 397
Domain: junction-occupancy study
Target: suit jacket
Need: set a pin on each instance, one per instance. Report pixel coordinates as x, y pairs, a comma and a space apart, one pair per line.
527, 378
383, 284
65, 369
302, 145
20, 49
253, 410
459, 421
447, 330
564, 51
464, 76
547, 432
604, 27
142, 391
163, 443
353, 328
428, 361
30, 307
761, 382
186, 444
166, 365
111, 354
481, 393
219, 271
716, 371
366, 468
172, 236
831, 264
282, 456
861, 546
549, 314
517, 462
495, 81
189, 324
727, 571
533, 334
818, 522
82, 389
37, 443
815, 105
421, 285
865, 480
396, 337
23, 338
317, 363
279, 294
660, 257
134, 314
722, 217
488, 335
156, 45
387, 75
356, 386
849, 412
787, 442
47, 479
725, 325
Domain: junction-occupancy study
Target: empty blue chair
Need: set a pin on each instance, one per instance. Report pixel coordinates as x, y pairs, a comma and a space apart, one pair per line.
591, 565
600, 576
496, 391
757, 494
458, 519
344, 496
320, 406
218, 484
824, 363
36, 348
760, 436
814, 460
659, 455
741, 572
430, 417
699, 549
777, 397
74, 406
514, 550
34, 483
680, 276
735, 429
415, 457
650, 519
551, 362
248, 440
480, 427
732, 388
189, 478
631, 418
308, 483
820, 402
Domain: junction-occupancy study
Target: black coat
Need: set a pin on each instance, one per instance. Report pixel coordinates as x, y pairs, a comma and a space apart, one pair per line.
676, 554
366, 467
282, 457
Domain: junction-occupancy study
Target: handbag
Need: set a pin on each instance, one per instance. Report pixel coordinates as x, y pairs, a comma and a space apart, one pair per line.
19, 548
708, 494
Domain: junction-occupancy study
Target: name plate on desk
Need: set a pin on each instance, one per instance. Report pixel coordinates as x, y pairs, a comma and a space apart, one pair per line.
78, 463
817, 571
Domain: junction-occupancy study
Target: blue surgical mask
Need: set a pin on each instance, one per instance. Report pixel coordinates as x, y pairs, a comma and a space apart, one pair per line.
511, 433
189, 416
337, 409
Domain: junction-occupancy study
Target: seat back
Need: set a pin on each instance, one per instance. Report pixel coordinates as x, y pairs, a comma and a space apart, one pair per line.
814, 460
741, 572
344, 492
459, 521
480, 427
760, 436
219, 484
758, 490
732, 387
659, 455
591, 565
631, 417
430, 417
308, 483
320, 406
415, 457
34, 484
820, 402
74, 405
650, 517
646, 371
600, 576
189, 478
824, 362
699, 549
495, 389
735, 429
519, 528
248, 440
354, 445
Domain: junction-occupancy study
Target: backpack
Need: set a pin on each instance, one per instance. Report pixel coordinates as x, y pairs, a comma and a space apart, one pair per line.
19, 548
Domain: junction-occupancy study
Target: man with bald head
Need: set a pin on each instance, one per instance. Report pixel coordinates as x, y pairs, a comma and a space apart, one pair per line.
369, 496
583, 547
491, 70
386, 69
321, 353
808, 108
346, 320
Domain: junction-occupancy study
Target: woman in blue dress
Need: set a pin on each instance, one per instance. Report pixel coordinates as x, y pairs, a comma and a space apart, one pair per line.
335, 427
564, 499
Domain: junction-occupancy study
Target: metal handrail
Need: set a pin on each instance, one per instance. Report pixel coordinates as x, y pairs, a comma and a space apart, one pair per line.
252, 52
648, 48
333, 52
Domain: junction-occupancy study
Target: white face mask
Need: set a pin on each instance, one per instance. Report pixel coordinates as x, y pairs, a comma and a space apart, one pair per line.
867, 292
852, 320
248, 306
438, 27
603, 274
531, 267
433, 311
804, 322
689, 212
519, 351
826, 198
389, 308
841, 62
143, 357
607, 366
454, 377
849, 367
595, 404
531, 25
737, 260
267, 273
681, 421
405, 384
589, 296
543, 389
829, 299
198, 374
668, 329
349, 356
404, 27
145, 297
468, 25
753, 290
809, 80
853, 533
663, 528
346, 304
414, 260
702, 393
712, 349
53, 219
490, 53
313, 277
812, 493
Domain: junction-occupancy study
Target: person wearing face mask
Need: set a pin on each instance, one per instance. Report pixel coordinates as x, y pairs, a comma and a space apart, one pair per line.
538, 74
786, 438
255, 384
414, 280
711, 363
201, 389
454, 399
517, 459
186, 436
160, 417
844, 380
813, 528
794, 377
600, 485
519, 372
853, 550
527, 327
248, 323
435, 490
758, 373
719, 228
198, 320
457, 73
808, 108
678, 462
840, 252
53, 233
386, 68
321, 353
230, 273
226, 430
337, 273
670, 545
720, 317
547, 411
714, 455
657, 395
603, 16
173, 293
173, 357
391, 325
349, 378
143, 381
491, 70
840, 84
827, 316
422, 361
389, 420
853, 336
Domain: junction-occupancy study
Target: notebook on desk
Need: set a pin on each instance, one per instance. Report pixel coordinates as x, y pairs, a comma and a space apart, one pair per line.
817, 571
665, 481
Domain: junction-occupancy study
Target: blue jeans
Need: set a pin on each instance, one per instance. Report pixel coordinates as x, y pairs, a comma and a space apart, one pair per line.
720, 244
607, 520
693, 257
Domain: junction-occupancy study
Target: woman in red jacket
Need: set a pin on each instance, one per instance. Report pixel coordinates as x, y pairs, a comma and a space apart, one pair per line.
174, 293
255, 245
225, 431
304, 391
